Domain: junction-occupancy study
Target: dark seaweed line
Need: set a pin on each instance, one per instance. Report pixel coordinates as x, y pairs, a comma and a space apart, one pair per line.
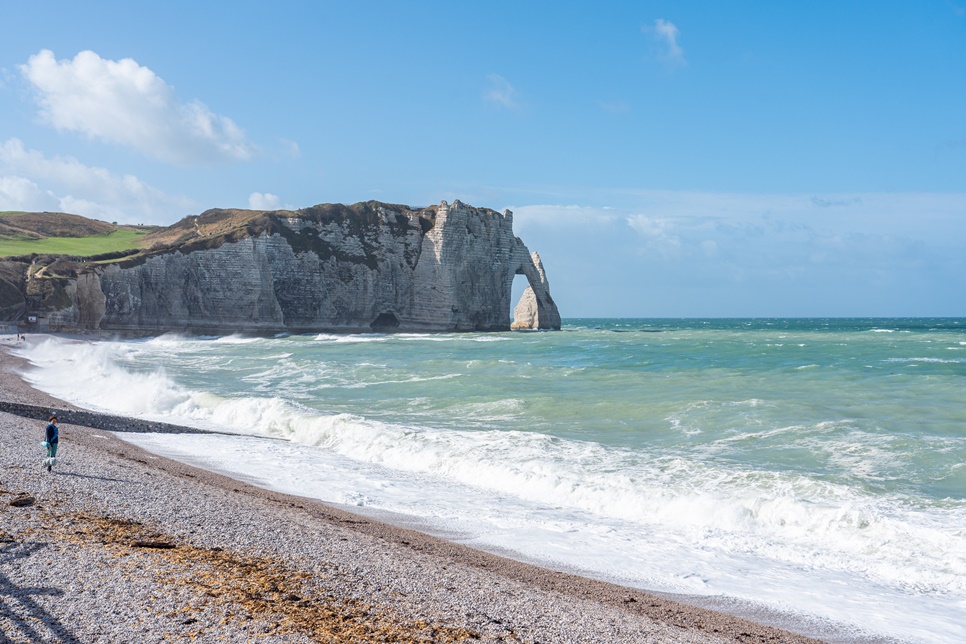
96, 420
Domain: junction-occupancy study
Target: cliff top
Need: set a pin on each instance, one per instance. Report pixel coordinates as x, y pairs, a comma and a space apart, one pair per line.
220, 225
40, 225
23, 234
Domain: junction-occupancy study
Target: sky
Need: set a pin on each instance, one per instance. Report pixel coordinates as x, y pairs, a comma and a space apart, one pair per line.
666, 159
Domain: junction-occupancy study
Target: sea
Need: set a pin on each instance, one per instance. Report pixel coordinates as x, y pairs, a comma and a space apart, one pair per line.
813, 468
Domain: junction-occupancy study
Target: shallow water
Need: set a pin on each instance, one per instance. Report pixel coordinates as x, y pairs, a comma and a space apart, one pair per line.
811, 465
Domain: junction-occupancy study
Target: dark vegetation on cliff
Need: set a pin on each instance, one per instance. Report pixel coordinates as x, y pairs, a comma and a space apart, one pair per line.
218, 226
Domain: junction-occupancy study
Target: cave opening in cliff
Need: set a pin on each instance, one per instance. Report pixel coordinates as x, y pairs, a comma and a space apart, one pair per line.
385, 322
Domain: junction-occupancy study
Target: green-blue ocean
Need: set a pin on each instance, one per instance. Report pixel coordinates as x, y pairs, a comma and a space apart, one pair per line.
813, 466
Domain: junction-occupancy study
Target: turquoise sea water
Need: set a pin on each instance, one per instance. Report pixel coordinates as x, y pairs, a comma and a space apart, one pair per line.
816, 466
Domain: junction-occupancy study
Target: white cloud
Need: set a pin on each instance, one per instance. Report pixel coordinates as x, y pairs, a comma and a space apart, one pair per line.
560, 216
126, 103
36, 182
501, 92
789, 236
659, 233
671, 237
665, 33
264, 201
19, 193
879, 212
835, 202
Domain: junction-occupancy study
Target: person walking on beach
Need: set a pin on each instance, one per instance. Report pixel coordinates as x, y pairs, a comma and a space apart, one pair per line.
50, 442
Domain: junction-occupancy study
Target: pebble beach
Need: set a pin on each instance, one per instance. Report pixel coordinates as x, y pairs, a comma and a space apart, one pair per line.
120, 545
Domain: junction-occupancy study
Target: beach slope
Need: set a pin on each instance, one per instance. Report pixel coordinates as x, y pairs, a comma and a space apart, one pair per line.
119, 545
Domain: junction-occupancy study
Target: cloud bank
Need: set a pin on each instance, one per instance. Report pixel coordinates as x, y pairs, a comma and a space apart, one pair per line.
70, 186
695, 253
126, 103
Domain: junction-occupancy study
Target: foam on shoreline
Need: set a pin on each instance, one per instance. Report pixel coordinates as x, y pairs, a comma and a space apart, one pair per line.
576, 587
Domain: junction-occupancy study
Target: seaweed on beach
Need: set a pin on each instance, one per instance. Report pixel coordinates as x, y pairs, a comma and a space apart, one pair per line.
249, 587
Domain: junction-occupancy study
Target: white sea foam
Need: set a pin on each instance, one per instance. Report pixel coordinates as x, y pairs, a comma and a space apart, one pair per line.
350, 339
643, 517
237, 339
363, 385
705, 541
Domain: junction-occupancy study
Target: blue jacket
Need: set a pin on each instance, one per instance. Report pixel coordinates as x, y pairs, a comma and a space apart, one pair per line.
52, 433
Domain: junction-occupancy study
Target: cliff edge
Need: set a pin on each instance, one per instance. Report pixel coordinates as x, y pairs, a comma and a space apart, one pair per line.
366, 267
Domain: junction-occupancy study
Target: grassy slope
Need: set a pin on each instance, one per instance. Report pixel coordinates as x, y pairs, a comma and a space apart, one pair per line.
82, 246
57, 233
36, 225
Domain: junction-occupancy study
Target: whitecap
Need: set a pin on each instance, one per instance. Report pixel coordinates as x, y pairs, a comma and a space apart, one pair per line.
332, 338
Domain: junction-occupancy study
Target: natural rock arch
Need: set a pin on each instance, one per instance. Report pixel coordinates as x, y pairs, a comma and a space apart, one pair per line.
536, 309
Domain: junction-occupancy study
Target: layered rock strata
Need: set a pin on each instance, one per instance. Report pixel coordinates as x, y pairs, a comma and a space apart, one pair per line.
370, 266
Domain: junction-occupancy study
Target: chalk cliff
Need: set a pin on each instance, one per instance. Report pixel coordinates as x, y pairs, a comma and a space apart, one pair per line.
369, 266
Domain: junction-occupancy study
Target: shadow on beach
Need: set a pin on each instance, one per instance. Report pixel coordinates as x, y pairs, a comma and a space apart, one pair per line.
18, 607
96, 478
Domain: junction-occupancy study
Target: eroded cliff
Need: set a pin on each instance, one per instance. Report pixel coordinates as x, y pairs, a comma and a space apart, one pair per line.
369, 266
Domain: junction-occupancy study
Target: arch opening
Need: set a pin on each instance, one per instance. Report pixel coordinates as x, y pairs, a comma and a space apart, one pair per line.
518, 286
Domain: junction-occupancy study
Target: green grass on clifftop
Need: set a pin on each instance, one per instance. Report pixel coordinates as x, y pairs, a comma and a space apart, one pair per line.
37, 225
120, 239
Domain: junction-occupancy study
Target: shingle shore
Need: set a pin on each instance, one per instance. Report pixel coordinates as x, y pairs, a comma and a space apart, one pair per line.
120, 545
93, 420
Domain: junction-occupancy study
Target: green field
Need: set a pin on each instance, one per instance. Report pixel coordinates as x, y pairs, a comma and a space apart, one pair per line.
80, 246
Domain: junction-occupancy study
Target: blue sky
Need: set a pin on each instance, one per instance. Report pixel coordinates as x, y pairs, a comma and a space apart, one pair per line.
665, 158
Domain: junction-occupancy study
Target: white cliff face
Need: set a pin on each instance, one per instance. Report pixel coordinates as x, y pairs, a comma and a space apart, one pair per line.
394, 269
